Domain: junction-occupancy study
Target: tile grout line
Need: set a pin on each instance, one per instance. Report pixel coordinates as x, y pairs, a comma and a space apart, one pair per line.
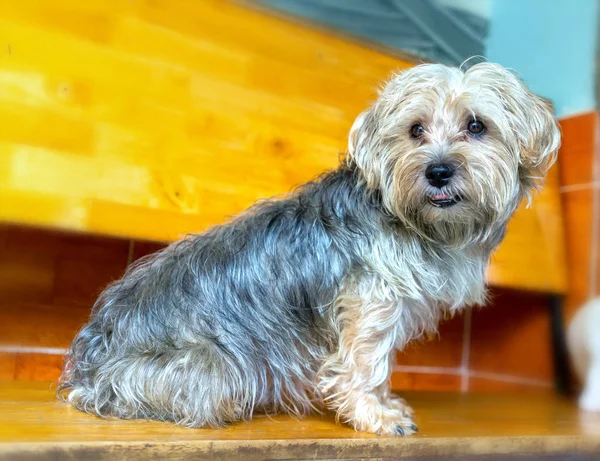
427, 369
510, 379
474, 374
130, 251
466, 351
33, 350
579, 187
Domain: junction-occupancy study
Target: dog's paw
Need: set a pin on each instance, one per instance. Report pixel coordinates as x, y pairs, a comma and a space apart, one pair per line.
406, 430
396, 422
394, 418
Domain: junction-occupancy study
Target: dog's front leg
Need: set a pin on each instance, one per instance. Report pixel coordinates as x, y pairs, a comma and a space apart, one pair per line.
354, 380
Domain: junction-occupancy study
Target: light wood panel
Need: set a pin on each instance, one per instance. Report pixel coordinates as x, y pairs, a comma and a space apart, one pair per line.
49, 281
156, 118
34, 424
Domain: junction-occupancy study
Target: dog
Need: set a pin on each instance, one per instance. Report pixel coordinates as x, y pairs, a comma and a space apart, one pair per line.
301, 302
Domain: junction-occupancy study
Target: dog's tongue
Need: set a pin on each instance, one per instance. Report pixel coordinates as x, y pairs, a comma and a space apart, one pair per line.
441, 196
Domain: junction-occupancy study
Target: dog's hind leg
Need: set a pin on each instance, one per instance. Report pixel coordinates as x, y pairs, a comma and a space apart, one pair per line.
194, 386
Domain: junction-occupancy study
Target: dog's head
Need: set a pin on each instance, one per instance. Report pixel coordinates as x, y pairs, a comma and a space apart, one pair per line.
452, 153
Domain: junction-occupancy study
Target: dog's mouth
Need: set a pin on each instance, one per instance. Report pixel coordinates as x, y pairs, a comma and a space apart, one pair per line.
444, 200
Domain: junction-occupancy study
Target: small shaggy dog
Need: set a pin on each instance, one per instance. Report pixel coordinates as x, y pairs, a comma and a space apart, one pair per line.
300, 303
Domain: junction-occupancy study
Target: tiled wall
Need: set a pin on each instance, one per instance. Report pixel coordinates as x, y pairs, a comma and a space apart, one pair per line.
503, 346
48, 283
581, 200
49, 280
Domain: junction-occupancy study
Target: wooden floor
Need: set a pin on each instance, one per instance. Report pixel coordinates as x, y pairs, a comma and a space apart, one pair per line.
34, 425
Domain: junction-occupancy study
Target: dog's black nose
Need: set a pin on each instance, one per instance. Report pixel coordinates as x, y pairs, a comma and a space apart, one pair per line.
439, 174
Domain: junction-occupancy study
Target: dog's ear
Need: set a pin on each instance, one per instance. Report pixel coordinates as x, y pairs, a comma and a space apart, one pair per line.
540, 140
537, 132
527, 122
362, 145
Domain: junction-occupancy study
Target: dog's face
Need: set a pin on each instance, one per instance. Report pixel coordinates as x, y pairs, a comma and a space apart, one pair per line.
452, 153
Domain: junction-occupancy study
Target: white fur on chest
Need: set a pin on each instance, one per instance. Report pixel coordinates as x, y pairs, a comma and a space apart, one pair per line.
448, 278
405, 290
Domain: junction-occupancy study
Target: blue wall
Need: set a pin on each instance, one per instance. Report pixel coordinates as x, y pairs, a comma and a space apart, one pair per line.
551, 44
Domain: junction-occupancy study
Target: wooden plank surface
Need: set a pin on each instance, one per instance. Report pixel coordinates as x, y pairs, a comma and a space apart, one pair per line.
155, 118
33, 422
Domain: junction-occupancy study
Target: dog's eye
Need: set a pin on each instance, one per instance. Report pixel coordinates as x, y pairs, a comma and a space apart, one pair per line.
416, 131
475, 127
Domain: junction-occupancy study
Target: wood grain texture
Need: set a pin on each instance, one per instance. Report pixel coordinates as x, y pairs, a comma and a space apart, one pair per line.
153, 119
33, 424
158, 118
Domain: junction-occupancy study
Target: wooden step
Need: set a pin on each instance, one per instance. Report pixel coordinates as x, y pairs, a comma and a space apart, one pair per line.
34, 425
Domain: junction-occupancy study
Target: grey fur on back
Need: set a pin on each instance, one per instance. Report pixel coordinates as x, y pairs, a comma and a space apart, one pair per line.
244, 307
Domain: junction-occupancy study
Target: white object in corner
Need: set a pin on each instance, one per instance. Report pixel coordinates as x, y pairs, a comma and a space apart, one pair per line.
583, 340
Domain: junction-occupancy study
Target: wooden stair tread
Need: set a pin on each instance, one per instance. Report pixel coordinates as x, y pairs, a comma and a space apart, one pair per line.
33, 425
